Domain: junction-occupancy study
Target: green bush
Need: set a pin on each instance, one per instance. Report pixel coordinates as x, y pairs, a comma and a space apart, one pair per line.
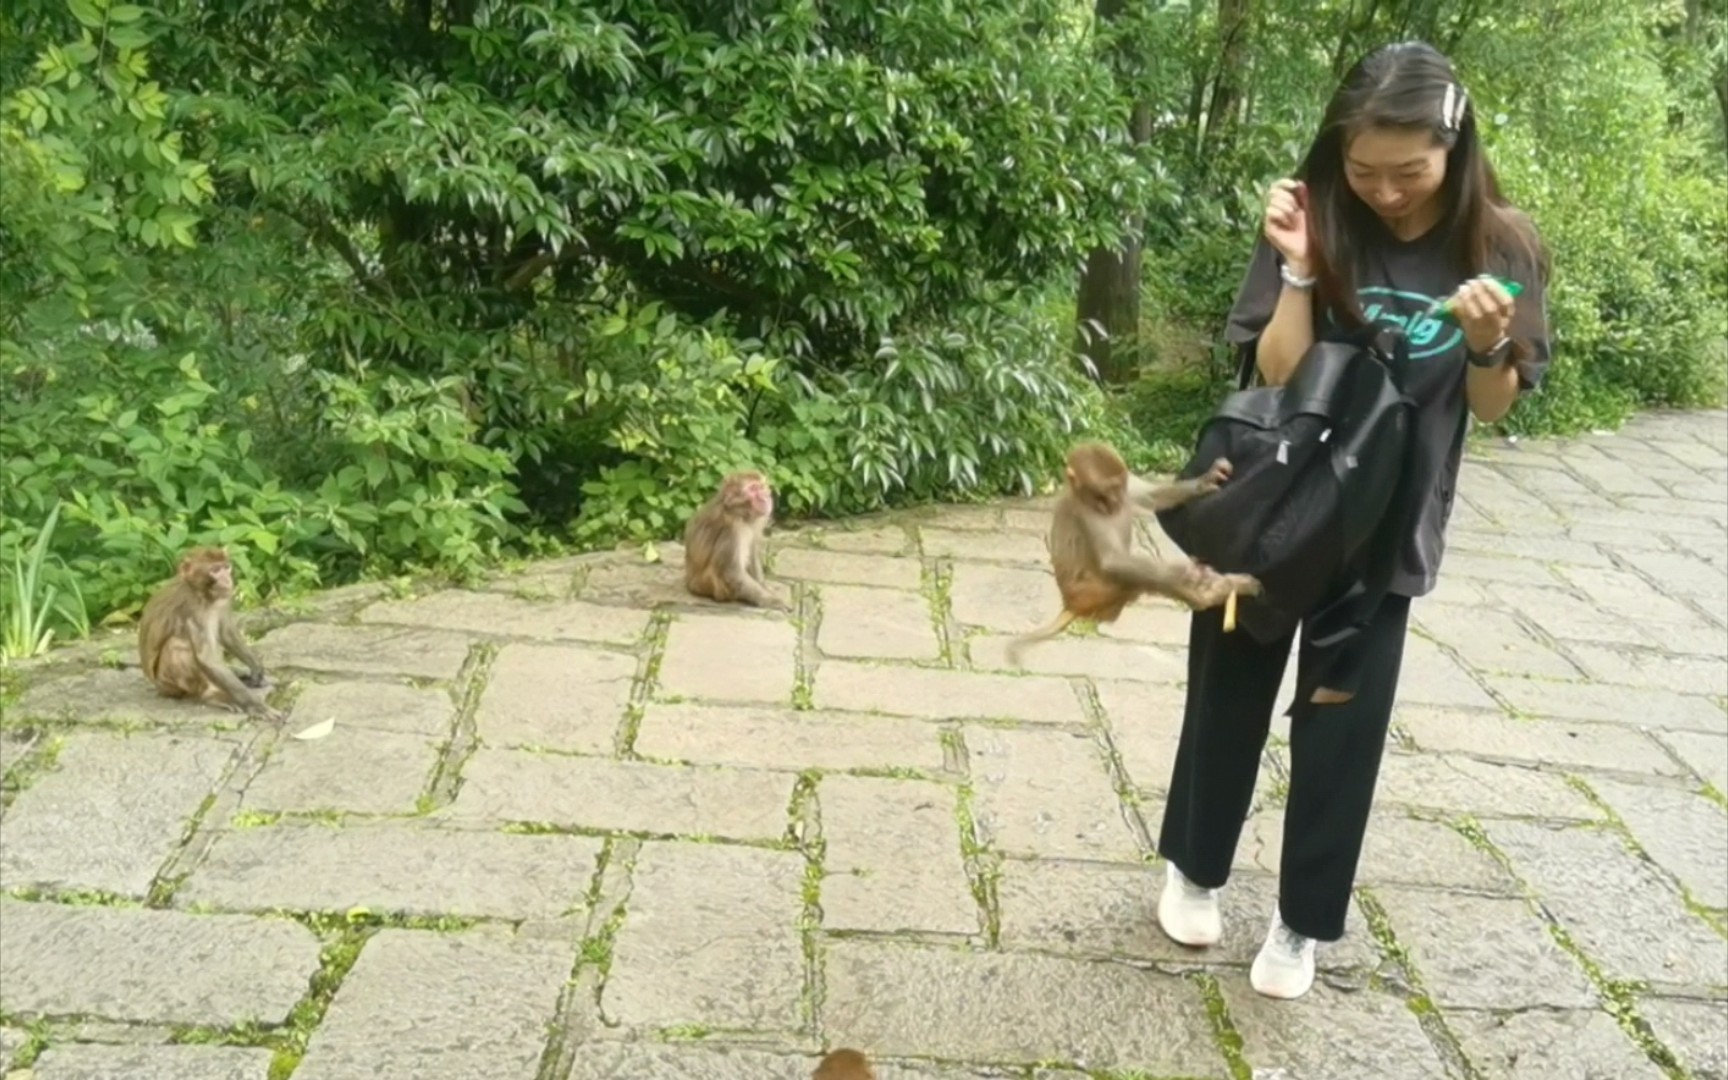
361, 288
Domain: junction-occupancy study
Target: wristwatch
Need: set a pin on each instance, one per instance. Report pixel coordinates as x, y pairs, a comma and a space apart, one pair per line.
1493, 358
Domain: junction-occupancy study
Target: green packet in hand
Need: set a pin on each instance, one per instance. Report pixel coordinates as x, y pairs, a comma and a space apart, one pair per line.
1444, 306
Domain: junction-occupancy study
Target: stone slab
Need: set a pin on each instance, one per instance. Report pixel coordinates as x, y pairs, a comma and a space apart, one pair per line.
1614, 906
711, 939
494, 614
550, 579
865, 540
1492, 641
15, 746
630, 581
1524, 549
1101, 911
1088, 656
1330, 1034
660, 800
1616, 704
1430, 677
366, 650
1405, 851
992, 546
394, 867
980, 518
1685, 833
1042, 793
1478, 565
787, 739
748, 656
111, 811
708, 1061
1478, 952
1001, 598
893, 860
115, 696
910, 1000
1705, 754
1623, 594
94, 1061
1576, 1044
846, 568
365, 772
1154, 621
418, 1004
946, 695
1145, 726
1565, 617
1460, 784
152, 967
1696, 1031
559, 697
364, 705
13, 1040
879, 624
1651, 669
1563, 743
1682, 574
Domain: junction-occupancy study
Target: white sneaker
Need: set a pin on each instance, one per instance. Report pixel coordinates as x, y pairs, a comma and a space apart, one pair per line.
1188, 912
1285, 966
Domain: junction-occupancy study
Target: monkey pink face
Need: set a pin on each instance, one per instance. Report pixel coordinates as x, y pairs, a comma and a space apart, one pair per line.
750, 492
209, 571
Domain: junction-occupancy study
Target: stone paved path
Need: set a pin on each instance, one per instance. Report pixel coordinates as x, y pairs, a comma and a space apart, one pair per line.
570, 826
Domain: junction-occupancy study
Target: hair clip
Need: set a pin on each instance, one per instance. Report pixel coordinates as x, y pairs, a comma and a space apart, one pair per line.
1452, 107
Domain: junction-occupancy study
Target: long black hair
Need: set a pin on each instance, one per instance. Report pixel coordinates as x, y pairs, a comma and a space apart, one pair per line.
1409, 86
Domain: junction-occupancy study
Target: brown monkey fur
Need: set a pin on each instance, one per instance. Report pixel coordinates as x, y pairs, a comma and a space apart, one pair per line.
723, 543
1092, 544
184, 629
844, 1064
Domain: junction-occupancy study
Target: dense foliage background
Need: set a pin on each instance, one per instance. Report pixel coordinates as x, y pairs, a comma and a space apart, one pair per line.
363, 287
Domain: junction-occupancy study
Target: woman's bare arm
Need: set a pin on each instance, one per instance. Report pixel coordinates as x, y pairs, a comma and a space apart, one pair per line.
1288, 335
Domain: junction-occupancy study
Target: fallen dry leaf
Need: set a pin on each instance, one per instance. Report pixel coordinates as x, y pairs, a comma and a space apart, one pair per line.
318, 730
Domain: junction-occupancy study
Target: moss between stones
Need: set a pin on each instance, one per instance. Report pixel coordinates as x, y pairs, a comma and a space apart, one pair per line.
936, 585
654, 644
341, 948
29, 768
1420, 1004
1224, 1031
72, 897
1618, 998
1709, 791
553, 828
983, 867
1615, 824
808, 611
815, 848
37, 1038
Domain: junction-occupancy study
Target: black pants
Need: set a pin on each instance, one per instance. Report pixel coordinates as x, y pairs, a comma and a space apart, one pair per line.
1335, 754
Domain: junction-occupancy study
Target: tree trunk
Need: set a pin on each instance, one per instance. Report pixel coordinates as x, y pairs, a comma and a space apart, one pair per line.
1107, 312
1233, 18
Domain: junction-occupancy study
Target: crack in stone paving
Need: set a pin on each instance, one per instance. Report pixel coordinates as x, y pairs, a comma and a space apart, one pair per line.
573, 825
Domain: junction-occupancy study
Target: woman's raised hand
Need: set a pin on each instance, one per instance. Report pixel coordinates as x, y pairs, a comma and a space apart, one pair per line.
1287, 223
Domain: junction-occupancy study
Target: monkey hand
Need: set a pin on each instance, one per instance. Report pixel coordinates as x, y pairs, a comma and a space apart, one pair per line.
1213, 478
1203, 587
261, 710
254, 678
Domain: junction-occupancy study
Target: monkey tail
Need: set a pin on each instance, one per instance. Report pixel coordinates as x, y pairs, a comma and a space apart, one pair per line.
1017, 647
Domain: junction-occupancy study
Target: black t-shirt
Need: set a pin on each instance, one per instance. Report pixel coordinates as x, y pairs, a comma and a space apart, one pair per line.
1395, 282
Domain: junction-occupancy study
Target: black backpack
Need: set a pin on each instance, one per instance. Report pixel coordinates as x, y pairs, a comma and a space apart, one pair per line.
1317, 499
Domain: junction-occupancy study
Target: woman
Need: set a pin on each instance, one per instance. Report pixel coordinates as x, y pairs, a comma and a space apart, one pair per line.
1394, 207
